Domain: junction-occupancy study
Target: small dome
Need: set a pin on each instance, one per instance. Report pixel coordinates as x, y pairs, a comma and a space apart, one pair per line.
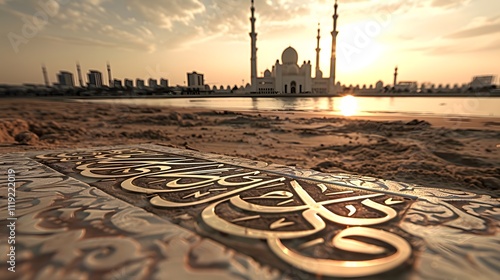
289, 56
267, 73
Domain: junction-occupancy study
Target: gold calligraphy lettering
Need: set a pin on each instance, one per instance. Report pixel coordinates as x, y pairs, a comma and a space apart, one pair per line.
313, 212
200, 181
342, 268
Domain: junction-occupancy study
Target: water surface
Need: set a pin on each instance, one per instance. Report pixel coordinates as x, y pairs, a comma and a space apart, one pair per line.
347, 105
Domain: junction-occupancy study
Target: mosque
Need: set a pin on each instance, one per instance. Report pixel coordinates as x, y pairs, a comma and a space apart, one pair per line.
287, 76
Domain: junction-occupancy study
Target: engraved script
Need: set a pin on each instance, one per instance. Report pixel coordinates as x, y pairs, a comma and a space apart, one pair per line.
321, 229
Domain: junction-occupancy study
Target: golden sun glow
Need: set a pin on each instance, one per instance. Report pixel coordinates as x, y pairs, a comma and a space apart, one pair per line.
358, 47
348, 105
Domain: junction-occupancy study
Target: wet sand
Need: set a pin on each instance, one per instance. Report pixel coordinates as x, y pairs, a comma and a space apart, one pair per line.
455, 153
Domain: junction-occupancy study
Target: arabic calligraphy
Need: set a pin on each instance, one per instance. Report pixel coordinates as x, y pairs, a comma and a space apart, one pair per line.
295, 217
315, 213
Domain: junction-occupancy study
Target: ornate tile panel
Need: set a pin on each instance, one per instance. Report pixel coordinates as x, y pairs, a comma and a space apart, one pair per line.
154, 212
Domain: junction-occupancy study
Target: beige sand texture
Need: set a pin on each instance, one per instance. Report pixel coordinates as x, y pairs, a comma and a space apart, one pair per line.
456, 153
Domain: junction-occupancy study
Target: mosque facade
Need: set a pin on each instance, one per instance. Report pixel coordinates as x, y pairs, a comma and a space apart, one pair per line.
287, 76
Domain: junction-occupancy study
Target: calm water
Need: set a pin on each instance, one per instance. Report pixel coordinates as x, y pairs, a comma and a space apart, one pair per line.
348, 105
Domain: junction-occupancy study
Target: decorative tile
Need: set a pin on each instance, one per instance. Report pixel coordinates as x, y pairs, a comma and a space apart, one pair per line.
150, 211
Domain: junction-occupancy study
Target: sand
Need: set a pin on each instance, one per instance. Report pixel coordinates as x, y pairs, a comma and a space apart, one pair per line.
455, 153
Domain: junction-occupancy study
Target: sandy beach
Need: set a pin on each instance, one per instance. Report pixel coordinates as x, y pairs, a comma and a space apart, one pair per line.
455, 153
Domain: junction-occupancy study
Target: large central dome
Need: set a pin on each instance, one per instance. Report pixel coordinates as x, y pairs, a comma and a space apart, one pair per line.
289, 56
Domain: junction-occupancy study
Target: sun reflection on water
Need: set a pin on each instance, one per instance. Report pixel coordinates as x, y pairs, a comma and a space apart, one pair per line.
348, 105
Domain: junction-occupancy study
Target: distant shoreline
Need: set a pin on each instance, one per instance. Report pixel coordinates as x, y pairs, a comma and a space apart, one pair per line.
126, 95
409, 95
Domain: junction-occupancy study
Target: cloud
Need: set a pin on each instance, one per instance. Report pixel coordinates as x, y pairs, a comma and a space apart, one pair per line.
170, 23
493, 46
447, 4
31, 7
394, 7
89, 41
477, 31
401, 7
85, 41
447, 48
478, 27
165, 13
282, 10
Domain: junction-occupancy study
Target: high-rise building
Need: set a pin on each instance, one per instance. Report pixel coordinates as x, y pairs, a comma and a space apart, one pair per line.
65, 78
164, 83
110, 80
79, 71
139, 84
95, 79
45, 76
395, 76
129, 83
195, 80
152, 83
117, 83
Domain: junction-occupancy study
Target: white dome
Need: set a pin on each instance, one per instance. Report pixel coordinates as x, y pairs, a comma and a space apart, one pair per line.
289, 56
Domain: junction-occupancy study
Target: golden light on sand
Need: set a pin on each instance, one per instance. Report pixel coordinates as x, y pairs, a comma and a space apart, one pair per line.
348, 105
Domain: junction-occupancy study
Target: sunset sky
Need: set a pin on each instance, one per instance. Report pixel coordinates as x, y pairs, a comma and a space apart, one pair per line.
438, 41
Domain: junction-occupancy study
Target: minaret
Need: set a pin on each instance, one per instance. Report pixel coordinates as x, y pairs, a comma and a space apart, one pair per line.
253, 58
109, 75
79, 71
333, 59
45, 76
317, 53
395, 76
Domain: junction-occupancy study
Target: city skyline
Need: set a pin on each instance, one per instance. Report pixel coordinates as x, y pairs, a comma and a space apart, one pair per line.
166, 39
